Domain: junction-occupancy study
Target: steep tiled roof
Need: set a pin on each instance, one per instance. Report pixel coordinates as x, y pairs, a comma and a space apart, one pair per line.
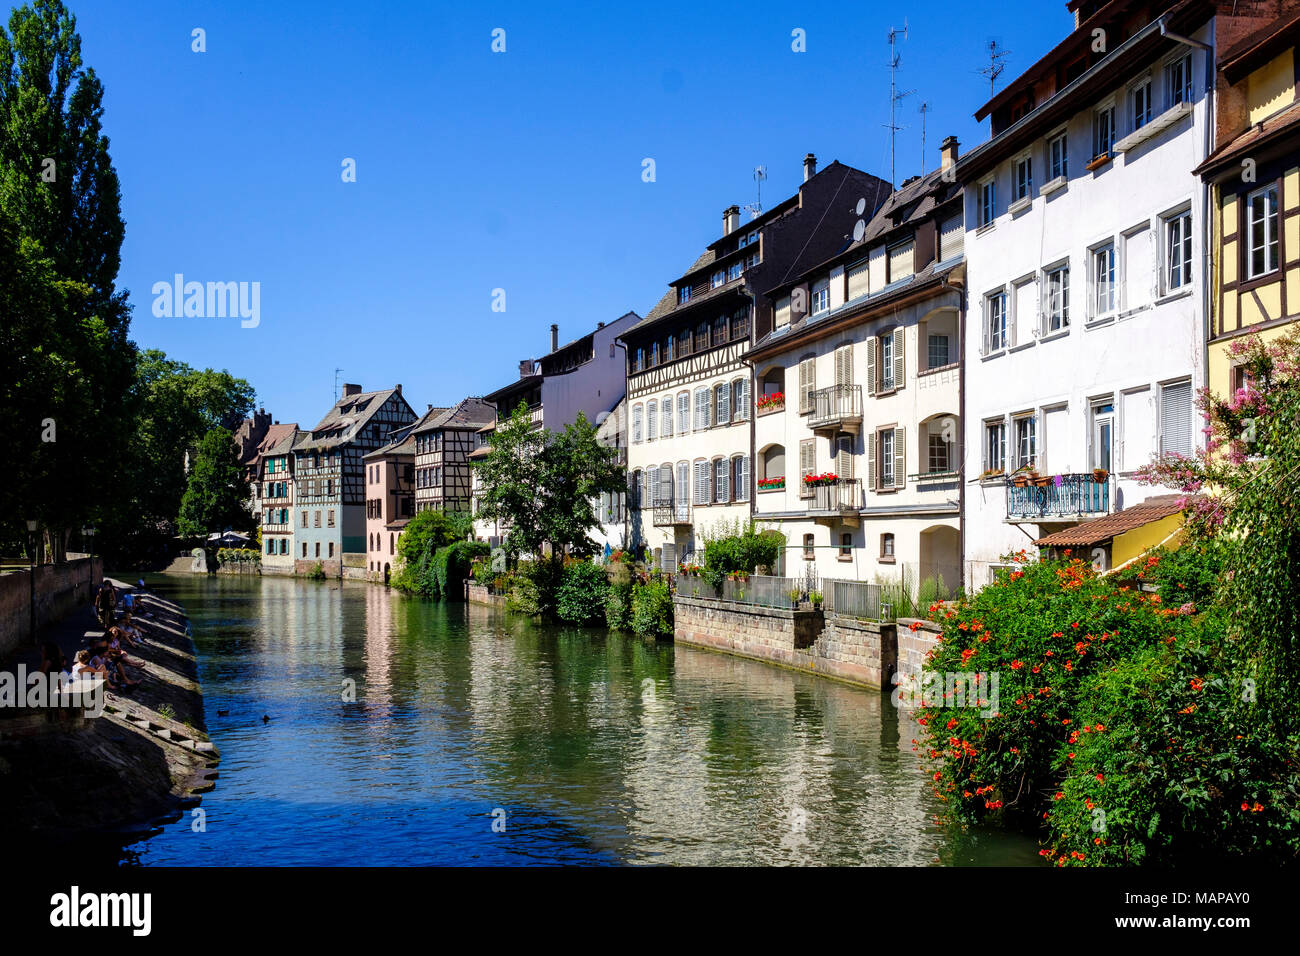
276, 434
1103, 529
348, 416
1282, 122
467, 413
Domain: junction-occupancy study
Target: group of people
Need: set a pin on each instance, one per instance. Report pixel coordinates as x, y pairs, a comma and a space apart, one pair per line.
105, 656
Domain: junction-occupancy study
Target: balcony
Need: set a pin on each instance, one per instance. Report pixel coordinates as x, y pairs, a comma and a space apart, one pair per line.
840, 503
837, 409
671, 514
1076, 496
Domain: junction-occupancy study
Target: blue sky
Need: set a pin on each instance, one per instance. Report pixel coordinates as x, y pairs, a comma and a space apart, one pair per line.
479, 170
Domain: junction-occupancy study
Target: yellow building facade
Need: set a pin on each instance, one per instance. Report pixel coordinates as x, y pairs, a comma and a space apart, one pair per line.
1254, 173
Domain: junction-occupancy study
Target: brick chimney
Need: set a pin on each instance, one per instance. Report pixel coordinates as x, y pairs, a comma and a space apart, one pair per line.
350, 389
555, 337
948, 152
730, 220
525, 368
809, 166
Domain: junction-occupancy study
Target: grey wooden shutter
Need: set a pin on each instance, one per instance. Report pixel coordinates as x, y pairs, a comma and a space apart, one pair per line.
807, 463
871, 460
844, 365
900, 457
807, 384
873, 347
899, 366
844, 456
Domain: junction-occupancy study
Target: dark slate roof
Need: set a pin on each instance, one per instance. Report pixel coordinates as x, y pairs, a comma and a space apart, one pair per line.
278, 440
348, 416
469, 412
1107, 527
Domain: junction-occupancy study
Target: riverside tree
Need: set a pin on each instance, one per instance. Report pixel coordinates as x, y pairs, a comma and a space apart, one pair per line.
542, 484
217, 494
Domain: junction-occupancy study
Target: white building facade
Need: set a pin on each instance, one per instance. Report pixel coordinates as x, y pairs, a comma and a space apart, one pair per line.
1084, 249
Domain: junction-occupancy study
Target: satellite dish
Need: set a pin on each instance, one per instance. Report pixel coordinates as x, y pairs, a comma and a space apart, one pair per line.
860, 208
859, 230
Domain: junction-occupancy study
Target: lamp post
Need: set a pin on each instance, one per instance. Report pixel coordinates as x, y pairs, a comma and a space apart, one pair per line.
31, 576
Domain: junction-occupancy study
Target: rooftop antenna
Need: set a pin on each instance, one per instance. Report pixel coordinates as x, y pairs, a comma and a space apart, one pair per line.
995, 67
756, 207
925, 108
336, 384
894, 95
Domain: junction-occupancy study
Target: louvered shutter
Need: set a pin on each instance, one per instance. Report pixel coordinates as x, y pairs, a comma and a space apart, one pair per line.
723, 395
651, 420
664, 496
807, 464
701, 409
899, 365
742, 478
952, 237
682, 493
722, 480
858, 281
844, 457
844, 365
668, 417
741, 410
873, 347
683, 413
807, 384
1176, 419
871, 460
636, 424
900, 457
699, 493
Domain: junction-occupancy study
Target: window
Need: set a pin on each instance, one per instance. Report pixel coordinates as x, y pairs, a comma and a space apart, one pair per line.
936, 350
1103, 132
654, 354
701, 408
702, 337
1139, 267
329, 518
887, 545
1261, 232
683, 412
740, 400
718, 279
638, 360
637, 412
858, 274
722, 405
821, 296
1056, 294
683, 294
846, 545
703, 493
722, 480
270, 546
901, 258
331, 554
316, 518
1024, 177
1178, 251
720, 329
809, 546
304, 519
736, 271
1103, 279
1026, 441
988, 200
887, 473
1139, 99
1103, 436
651, 420
753, 260
1176, 419
995, 446
887, 362
1058, 157
667, 350
634, 489
668, 417
317, 549
995, 324
740, 324
683, 343
1178, 81
740, 477
940, 455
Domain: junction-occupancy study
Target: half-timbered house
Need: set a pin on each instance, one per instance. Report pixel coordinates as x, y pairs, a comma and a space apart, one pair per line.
443, 442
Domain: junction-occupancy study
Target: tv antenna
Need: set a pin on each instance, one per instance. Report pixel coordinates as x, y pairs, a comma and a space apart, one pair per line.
894, 95
336, 383
996, 66
756, 207
925, 108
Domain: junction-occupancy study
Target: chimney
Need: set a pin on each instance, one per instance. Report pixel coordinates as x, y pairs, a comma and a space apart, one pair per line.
809, 166
525, 368
555, 337
599, 326
730, 220
948, 152
350, 389
398, 388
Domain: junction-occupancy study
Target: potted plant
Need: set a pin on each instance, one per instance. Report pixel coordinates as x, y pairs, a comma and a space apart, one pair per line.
771, 403
1040, 481
1100, 475
816, 598
817, 481
1020, 478
795, 596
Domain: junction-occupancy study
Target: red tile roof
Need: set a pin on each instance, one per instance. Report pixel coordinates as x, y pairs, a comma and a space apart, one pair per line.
1107, 527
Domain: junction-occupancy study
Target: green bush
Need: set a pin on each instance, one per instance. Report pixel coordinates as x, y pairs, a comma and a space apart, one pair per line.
1187, 574
582, 593
317, 572
534, 587
731, 546
451, 566
652, 608
618, 600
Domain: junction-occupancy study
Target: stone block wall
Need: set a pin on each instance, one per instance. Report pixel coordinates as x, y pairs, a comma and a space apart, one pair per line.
914, 645
60, 590
864, 652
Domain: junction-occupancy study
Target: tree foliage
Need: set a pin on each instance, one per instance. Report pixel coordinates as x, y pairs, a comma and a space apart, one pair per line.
216, 497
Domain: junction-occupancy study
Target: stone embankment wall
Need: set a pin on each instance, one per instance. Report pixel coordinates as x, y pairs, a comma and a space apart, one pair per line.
60, 590
478, 594
914, 645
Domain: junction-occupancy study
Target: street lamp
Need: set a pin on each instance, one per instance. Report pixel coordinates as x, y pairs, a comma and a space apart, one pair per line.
31, 576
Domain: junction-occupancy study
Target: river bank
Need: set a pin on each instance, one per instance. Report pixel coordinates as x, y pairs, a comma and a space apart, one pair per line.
142, 762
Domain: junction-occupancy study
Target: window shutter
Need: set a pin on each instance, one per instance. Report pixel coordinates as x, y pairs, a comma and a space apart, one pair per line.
844, 456
782, 312
701, 491
651, 420
871, 460
858, 284
701, 409
807, 464
636, 424
665, 494
1153, 256
683, 413
722, 485
900, 457
806, 384
1176, 419
984, 324
873, 347
876, 268
741, 410
683, 490
899, 365
844, 365
667, 417
723, 394
742, 478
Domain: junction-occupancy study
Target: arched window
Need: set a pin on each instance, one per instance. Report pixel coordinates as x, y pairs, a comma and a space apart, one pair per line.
772, 463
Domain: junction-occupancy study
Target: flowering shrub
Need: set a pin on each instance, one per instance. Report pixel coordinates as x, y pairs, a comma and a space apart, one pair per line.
775, 400
826, 478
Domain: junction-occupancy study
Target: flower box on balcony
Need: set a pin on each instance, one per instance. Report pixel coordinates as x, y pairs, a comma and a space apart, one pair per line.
771, 403
771, 484
817, 481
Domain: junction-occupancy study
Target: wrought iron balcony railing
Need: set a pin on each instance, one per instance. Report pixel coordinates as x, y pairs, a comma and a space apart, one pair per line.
843, 497
670, 514
1064, 496
838, 407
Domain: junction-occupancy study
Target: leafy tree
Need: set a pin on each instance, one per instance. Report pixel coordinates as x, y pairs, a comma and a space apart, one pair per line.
217, 493
511, 476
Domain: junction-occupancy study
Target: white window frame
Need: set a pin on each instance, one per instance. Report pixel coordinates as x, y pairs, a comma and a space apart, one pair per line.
1179, 67
988, 201
1022, 186
998, 342
1058, 166
1176, 251
1140, 114
1106, 110
1056, 298
1270, 231
1094, 297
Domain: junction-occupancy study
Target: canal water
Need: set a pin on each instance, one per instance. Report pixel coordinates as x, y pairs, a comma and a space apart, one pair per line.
477, 737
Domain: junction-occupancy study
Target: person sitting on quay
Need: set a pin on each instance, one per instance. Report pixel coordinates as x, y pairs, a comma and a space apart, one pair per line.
89, 667
116, 637
102, 660
53, 662
134, 637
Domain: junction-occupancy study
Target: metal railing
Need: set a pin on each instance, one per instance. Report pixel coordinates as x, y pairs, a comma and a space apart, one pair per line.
843, 496
853, 599
667, 514
836, 404
1063, 496
761, 590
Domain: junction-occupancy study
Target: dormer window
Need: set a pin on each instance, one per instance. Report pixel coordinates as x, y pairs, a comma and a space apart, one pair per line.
718, 279
821, 296
683, 294
736, 271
